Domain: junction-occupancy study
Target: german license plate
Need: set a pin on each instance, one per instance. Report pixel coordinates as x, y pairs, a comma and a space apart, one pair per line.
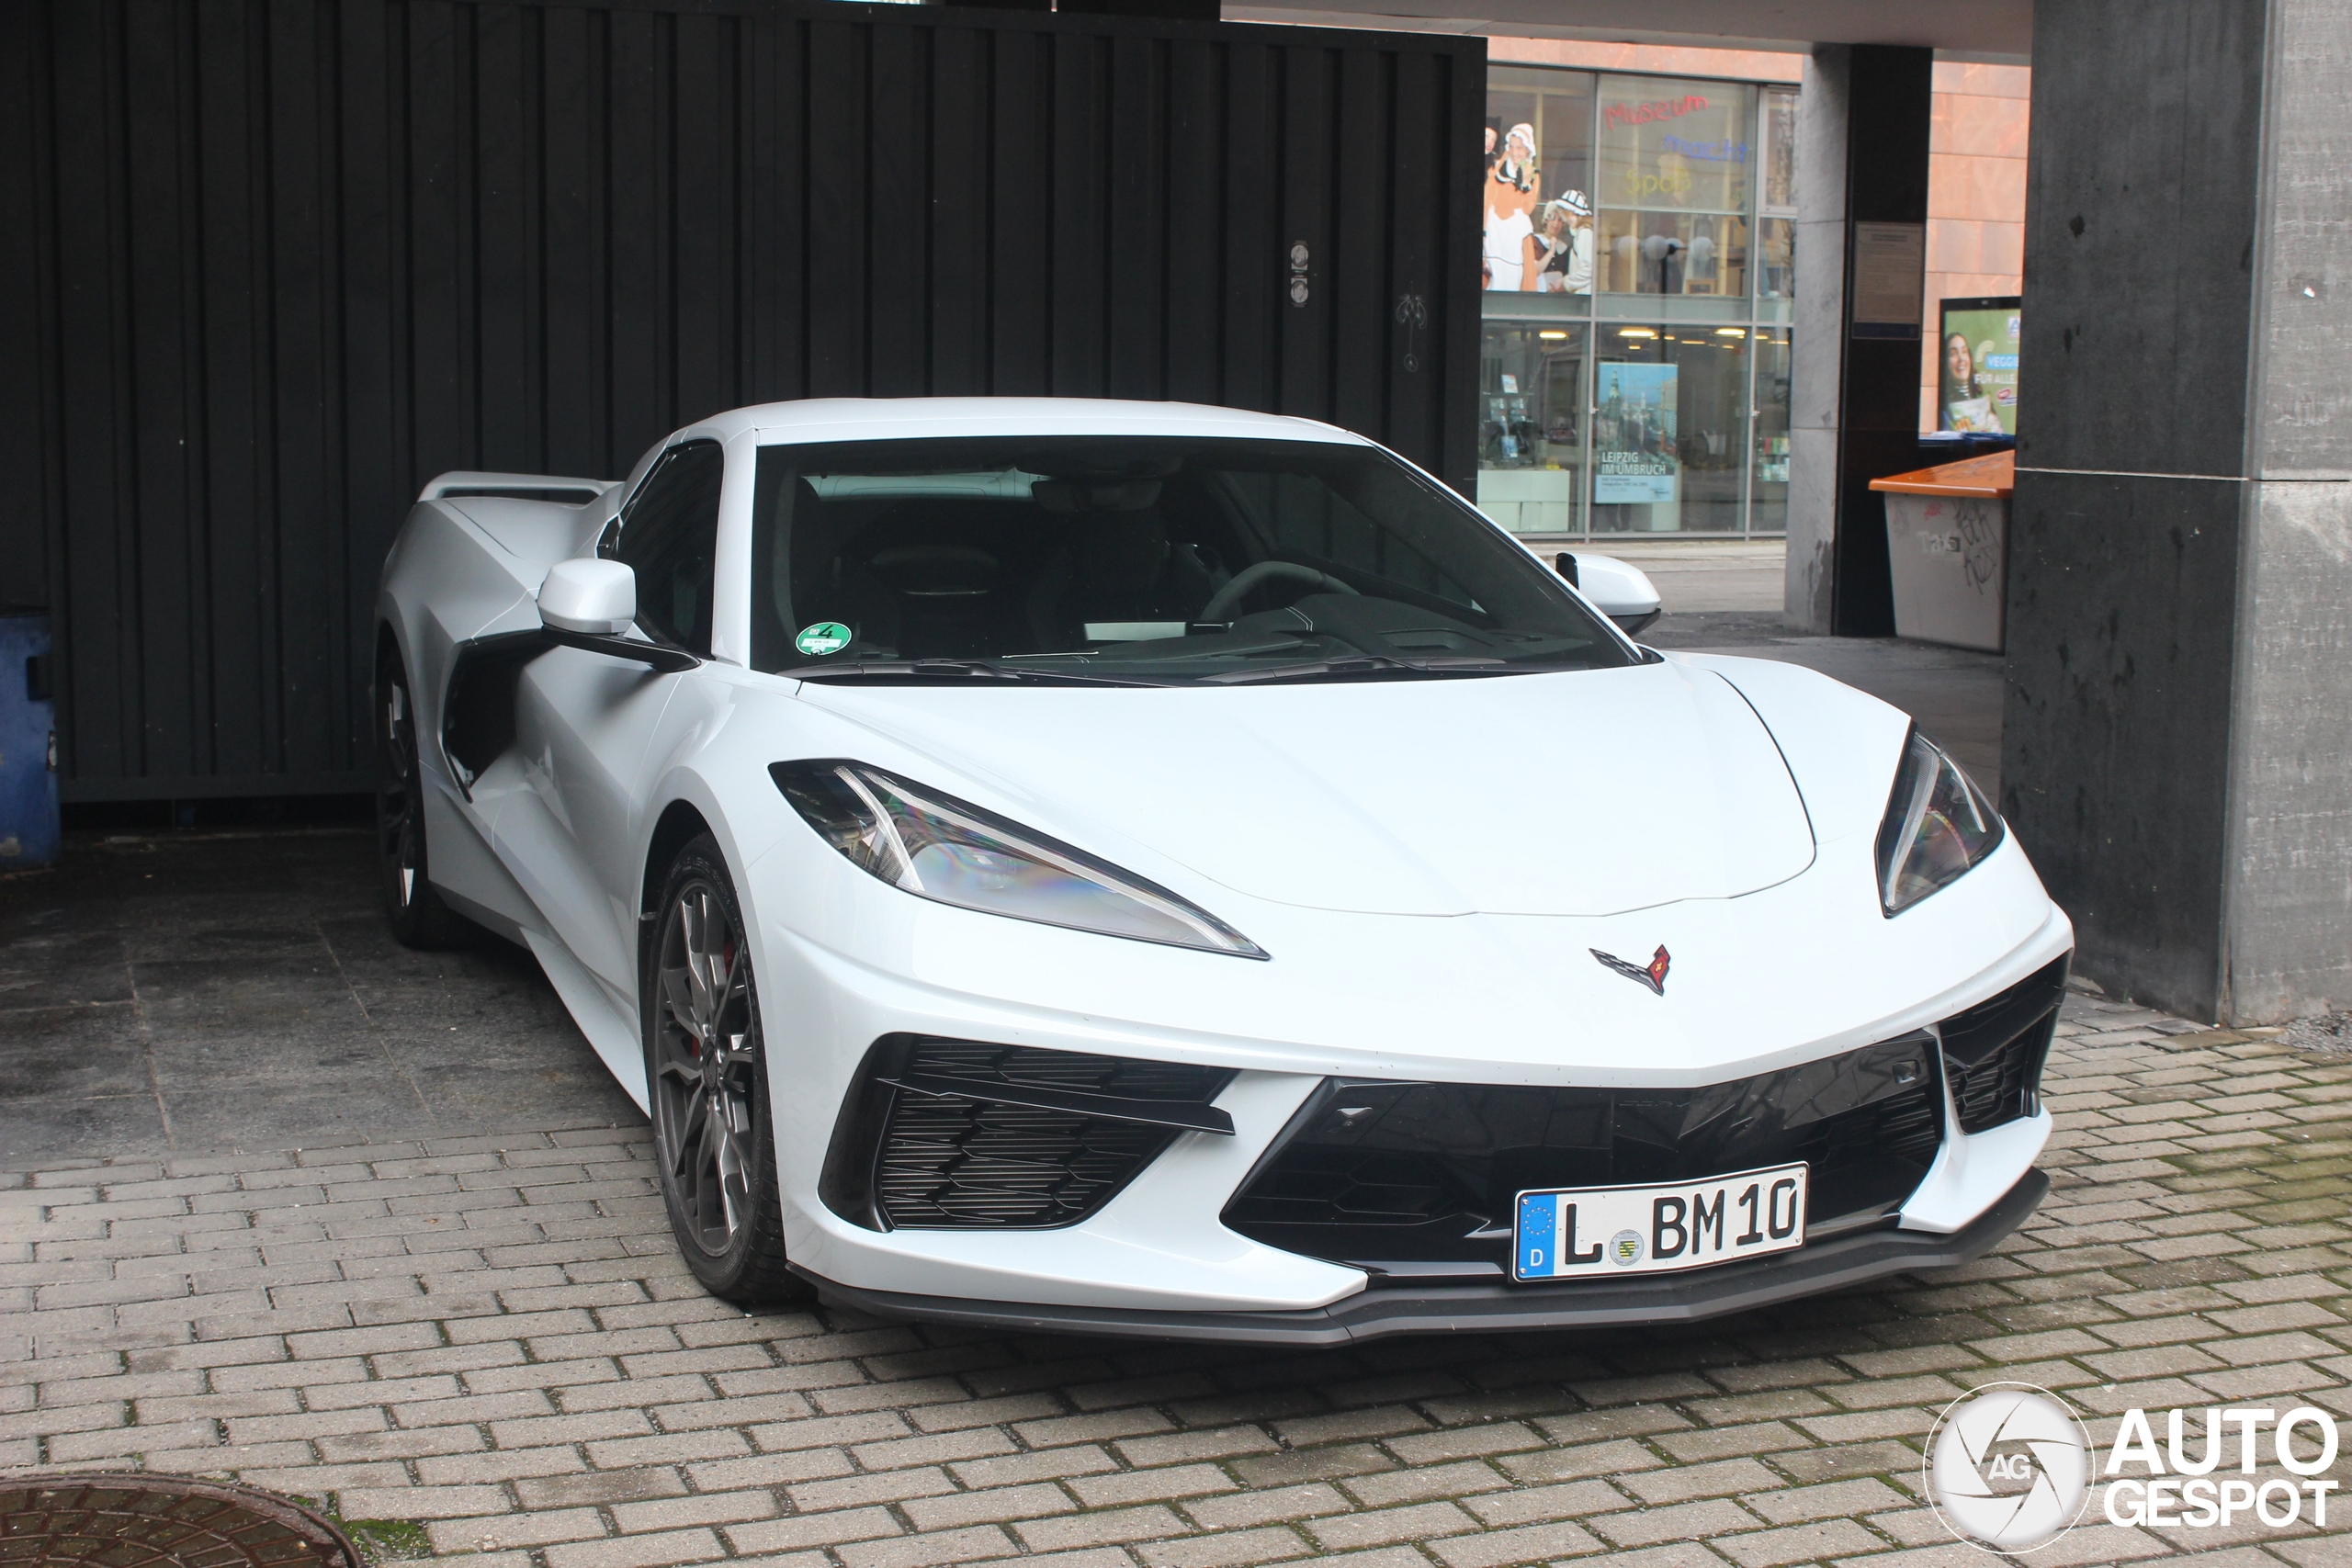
1581, 1233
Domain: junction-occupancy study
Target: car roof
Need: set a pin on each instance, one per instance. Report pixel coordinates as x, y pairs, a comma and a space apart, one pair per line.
870, 418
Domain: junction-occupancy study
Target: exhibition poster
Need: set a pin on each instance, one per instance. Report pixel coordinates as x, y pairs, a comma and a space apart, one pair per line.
1635, 459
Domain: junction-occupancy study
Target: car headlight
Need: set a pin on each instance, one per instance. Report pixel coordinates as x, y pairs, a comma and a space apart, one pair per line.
1937, 825
937, 847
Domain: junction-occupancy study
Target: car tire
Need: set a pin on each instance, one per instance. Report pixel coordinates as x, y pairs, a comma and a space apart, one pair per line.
707, 1085
418, 917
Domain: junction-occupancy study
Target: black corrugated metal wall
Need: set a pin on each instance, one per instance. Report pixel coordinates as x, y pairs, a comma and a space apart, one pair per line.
266, 266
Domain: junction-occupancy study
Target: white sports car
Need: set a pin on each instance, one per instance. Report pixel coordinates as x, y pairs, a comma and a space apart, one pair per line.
1147, 869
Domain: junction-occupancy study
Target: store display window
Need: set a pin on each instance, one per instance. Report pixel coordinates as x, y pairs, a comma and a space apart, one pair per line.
1669, 429
1533, 395
1538, 199
1638, 241
1674, 252
1674, 161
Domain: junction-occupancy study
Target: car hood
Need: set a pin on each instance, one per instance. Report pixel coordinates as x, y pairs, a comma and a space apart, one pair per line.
1581, 793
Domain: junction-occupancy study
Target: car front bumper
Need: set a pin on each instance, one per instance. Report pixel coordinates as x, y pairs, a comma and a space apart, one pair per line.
1764, 984
1837, 1263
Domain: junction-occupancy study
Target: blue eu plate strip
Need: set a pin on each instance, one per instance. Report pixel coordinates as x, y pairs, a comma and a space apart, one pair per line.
1538, 1219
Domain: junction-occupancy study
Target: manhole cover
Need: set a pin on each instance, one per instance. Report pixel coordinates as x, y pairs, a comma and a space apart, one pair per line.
160, 1521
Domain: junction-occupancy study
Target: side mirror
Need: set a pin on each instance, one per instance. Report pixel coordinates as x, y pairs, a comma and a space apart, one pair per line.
597, 597
1618, 590
1565, 565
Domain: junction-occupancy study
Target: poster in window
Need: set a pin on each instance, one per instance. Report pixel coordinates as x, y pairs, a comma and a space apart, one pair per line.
1536, 207
1976, 367
1512, 194
1634, 458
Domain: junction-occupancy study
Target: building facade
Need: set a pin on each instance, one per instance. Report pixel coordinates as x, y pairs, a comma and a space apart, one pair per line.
1634, 368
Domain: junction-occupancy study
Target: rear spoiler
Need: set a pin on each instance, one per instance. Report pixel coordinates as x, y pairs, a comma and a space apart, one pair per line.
516, 487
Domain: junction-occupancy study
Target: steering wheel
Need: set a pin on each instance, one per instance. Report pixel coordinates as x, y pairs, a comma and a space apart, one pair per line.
1228, 598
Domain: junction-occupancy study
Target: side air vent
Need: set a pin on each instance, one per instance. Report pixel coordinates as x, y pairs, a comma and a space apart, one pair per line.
954, 1134
478, 706
1993, 1052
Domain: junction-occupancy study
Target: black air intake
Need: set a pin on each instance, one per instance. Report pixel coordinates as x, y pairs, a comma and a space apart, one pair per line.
1993, 1052
953, 1135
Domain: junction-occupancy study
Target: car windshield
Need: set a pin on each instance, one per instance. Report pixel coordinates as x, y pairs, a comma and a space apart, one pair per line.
1141, 560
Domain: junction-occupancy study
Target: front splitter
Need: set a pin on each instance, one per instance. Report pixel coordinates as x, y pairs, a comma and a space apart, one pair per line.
1812, 1270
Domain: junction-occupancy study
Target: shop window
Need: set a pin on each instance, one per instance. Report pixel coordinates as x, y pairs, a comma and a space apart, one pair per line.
1776, 244
1767, 483
1606, 196
1669, 429
1538, 235
1775, 203
1533, 394
1672, 253
1780, 161
1674, 161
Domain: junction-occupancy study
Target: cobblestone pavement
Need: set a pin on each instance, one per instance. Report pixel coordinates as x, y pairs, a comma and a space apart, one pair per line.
227, 989
490, 1336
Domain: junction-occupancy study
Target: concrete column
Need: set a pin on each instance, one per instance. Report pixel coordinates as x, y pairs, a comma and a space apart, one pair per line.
1816, 365
2178, 734
1863, 123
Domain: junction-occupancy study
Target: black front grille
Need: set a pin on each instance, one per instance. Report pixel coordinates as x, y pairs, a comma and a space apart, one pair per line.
1418, 1179
1993, 1052
905, 1159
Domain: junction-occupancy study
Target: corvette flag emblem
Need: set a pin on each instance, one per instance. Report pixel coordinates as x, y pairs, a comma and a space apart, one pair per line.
1654, 976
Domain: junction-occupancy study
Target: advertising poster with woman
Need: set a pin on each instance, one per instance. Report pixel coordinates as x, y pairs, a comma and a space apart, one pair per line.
1976, 372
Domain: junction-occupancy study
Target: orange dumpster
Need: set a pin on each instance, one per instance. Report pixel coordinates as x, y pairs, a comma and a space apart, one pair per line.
1947, 547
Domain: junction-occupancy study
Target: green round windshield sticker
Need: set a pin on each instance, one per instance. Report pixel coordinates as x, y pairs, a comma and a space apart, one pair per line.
824, 637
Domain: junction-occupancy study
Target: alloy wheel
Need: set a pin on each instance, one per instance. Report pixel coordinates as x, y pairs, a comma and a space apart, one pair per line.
705, 1065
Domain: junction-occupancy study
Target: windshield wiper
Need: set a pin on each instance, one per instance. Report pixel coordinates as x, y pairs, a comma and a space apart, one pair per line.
1364, 664
976, 669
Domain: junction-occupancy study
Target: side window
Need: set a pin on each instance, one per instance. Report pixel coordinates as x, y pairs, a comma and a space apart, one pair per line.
669, 536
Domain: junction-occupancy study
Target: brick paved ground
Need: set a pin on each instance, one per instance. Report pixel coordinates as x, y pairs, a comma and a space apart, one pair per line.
490, 1335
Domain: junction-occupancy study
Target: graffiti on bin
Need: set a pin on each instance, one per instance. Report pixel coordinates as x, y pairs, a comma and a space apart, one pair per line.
1972, 533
